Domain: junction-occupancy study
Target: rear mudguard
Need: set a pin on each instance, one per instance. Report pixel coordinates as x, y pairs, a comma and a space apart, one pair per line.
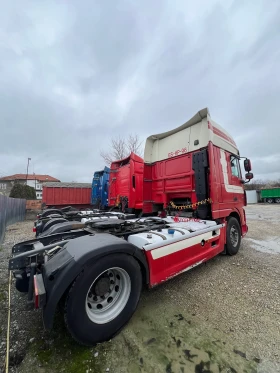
61, 270
63, 227
53, 211
25, 246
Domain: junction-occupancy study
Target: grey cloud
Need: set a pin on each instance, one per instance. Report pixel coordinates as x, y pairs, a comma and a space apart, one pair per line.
74, 74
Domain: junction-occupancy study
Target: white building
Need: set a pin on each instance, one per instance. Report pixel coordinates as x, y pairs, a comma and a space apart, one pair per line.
37, 185
33, 180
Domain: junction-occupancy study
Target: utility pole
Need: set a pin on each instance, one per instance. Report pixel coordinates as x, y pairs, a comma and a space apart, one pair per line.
29, 159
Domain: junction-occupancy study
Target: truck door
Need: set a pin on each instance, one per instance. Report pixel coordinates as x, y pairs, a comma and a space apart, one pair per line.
95, 193
235, 170
105, 193
231, 181
113, 188
236, 180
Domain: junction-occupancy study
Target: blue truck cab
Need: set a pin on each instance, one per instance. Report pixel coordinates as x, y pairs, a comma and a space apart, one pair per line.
99, 194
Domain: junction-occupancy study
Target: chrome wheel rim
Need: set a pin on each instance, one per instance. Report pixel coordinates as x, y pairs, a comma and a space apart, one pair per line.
108, 295
234, 237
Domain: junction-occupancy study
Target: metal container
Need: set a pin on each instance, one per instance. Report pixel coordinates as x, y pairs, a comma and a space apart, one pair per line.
65, 194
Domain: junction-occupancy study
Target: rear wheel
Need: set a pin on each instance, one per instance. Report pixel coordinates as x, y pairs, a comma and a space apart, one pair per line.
233, 236
277, 200
103, 298
269, 200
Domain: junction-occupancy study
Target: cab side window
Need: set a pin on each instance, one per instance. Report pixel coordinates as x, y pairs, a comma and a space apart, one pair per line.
235, 170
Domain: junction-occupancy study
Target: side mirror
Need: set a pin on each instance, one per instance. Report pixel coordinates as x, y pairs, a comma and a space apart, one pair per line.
249, 176
247, 165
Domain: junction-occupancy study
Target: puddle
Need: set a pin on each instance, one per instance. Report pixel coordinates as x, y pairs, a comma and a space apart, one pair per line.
263, 213
250, 216
270, 246
262, 217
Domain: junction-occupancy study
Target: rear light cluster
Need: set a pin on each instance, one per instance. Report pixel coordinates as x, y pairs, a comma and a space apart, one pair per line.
34, 229
36, 293
39, 291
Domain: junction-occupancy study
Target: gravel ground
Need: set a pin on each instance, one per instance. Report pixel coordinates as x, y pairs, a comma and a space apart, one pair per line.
223, 316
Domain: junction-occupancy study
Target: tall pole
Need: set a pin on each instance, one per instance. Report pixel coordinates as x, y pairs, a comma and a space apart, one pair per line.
29, 159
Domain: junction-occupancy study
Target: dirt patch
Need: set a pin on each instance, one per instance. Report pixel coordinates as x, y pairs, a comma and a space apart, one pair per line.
220, 317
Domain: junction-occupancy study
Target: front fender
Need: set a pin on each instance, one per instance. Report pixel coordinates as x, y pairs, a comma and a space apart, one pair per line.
62, 269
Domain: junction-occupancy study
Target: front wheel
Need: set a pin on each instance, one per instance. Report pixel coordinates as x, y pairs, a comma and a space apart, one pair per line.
103, 298
233, 236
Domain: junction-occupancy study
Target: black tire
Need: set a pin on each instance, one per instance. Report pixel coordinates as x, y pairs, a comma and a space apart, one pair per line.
233, 236
80, 326
269, 200
277, 200
52, 222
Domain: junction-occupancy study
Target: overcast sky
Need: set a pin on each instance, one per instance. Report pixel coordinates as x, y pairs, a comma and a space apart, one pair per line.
74, 73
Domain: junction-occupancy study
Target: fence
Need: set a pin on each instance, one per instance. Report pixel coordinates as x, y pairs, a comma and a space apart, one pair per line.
12, 210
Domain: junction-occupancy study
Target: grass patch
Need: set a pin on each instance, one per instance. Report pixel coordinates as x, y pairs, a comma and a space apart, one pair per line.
60, 353
3, 292
149, 344
3, 296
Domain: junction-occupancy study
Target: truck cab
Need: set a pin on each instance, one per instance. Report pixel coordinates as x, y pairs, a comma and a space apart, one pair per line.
126, 183
195, 168
99, 194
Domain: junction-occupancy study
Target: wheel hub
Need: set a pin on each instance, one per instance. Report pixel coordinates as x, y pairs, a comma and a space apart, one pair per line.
102, 286
108, 295
234, 236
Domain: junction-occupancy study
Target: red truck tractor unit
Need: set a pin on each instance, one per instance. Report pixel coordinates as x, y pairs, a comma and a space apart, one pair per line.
193, 199
126, 183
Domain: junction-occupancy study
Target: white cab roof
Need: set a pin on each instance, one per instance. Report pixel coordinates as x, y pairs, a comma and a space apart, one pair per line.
190, 136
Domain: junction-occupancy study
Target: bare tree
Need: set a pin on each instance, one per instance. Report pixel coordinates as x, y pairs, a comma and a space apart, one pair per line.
118, 148
121, 147
255, 184
134, 145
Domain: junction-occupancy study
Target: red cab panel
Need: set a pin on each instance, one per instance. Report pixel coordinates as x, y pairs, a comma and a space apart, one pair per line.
168, 179
126, 181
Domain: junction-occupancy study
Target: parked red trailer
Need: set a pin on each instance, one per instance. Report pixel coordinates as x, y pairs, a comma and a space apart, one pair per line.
126, 183
64, 194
